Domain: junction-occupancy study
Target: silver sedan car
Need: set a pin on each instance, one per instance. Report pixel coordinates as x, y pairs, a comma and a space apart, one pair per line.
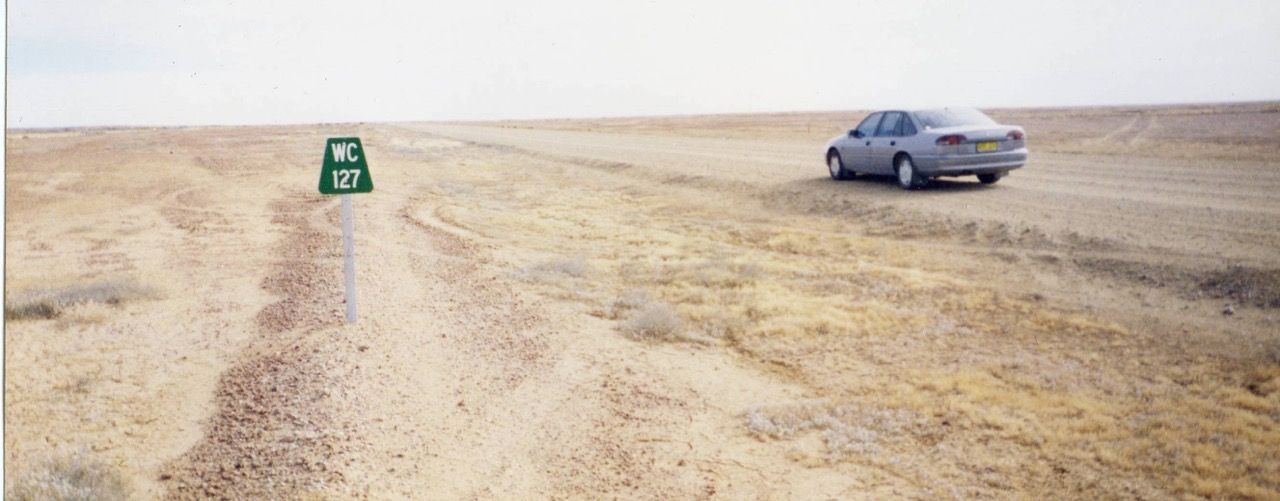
914, 146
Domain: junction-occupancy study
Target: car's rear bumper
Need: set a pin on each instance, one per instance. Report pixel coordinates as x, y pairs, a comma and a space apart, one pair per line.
970, 164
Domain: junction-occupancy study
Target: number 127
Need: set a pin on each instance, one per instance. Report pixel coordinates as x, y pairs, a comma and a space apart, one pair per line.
345, 178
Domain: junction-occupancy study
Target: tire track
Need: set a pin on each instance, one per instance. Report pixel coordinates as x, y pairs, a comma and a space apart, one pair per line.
1131, 131
277, 431
532, 410
503, 325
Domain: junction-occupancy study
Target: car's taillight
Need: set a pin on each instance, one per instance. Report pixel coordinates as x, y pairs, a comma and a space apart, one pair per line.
1015, 135
951, 139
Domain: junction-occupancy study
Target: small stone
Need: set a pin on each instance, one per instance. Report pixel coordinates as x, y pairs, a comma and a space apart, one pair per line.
1229, 310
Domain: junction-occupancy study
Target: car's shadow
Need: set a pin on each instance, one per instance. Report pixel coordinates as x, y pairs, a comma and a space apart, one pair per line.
889, 184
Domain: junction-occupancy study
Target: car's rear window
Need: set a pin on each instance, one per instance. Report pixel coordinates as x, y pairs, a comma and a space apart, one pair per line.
951, 117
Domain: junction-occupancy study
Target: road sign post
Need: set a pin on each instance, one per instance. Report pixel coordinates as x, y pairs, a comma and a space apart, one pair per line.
349, 257
344, 172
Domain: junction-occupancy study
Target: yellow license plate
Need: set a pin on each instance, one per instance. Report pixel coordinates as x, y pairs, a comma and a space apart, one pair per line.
986, 146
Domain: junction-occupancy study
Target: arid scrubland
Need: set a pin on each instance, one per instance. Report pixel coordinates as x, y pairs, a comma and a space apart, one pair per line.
916, 362
652, 309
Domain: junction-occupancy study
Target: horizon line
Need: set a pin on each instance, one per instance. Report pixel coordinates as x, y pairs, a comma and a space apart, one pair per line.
59, 128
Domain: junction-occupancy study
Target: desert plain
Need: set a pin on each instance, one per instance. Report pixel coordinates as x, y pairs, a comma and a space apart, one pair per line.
646, 308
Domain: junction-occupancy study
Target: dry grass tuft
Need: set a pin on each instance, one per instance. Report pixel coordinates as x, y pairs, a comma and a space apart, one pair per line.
1252, 286
551, 269
1272, 350
69, 477
653, 321
630, 300
847, 429
52, 303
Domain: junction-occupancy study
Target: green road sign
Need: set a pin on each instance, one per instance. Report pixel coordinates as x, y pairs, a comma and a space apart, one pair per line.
345, 170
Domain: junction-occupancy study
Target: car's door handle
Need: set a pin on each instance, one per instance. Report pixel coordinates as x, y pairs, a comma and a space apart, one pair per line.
868, 143
893, 143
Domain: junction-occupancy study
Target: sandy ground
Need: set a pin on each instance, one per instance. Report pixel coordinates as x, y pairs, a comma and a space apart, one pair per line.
653, 308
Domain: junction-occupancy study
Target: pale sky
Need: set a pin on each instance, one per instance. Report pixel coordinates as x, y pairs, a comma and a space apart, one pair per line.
168, 62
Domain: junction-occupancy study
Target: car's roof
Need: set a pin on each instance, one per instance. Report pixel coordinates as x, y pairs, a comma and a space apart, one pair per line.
934, 108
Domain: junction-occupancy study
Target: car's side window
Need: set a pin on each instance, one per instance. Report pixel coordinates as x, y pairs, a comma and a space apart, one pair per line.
868, 125
906, 128
889, 126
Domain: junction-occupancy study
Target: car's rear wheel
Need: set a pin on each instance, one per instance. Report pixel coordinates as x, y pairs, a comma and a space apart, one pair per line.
990, 178
836, 166
908, 177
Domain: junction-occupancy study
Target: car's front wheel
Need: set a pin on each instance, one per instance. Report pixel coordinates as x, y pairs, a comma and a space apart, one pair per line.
836, 166
908, 177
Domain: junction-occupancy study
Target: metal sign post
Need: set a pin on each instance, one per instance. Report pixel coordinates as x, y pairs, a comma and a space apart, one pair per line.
349, 257
344, 172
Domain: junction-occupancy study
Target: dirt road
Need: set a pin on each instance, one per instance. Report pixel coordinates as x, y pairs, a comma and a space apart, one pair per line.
571, 314
1203, 209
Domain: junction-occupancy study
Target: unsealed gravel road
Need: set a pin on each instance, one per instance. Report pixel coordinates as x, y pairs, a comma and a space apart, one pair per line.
1190, 210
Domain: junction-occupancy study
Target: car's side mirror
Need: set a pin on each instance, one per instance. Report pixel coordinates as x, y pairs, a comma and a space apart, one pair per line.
855, 133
